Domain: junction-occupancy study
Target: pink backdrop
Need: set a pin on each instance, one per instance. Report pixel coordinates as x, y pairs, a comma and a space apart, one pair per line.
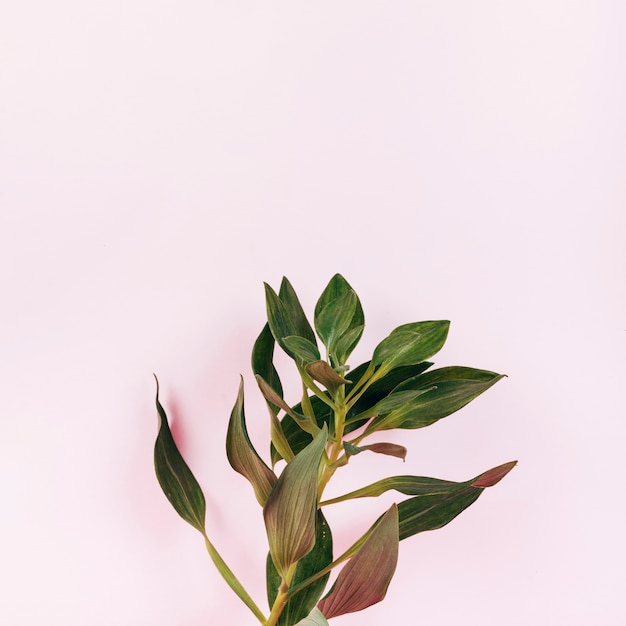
158, 160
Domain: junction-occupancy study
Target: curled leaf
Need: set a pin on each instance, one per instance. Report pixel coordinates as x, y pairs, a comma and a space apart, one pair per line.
290, 511
365, 578
176, 479
243, 457
323, 373
390, 449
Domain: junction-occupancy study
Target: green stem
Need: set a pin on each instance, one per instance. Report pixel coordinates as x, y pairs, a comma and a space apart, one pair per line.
363, 381
232, 580
310, 383
354, 395
281, 597
307, 407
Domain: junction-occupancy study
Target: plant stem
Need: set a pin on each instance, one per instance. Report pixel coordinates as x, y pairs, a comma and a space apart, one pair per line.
232, 580
281, 597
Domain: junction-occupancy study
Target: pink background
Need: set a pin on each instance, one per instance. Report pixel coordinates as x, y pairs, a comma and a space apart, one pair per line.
457, 159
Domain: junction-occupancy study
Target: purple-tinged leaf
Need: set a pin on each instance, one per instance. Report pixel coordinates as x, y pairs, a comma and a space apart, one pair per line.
243, 457
390, 449
320, 557
290, 511
493, 476
424, 486
323, 373
365, 578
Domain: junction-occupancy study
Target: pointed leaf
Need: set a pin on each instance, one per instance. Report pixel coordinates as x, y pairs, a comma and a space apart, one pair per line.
375, 392
263, 361
424, 486
289, 298
344, 345
178, 483
290, 510
432, 402
408, 485
493, 476
279, 319
300, 604
333, 320
455, 372
411, 344
431, 512
243, 457
339, 338
315, 618
365, 578
302, 348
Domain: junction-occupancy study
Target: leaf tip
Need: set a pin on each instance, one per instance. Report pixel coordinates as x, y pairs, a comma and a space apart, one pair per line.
494, 475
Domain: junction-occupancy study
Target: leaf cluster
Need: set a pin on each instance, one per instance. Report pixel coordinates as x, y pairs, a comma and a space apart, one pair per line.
337, 411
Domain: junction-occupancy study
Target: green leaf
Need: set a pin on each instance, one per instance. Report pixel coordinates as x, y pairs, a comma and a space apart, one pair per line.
243, 457
408, 485
302, 348
289, 298
410, 344
299, 439
376, 391
339, 318
423, 513
178, 483
263, 361
333, 320
315, 618
365, 578
290, 511
424, 486
454, 373
431, 512
301, 603
279, 319
346, 343
438, 395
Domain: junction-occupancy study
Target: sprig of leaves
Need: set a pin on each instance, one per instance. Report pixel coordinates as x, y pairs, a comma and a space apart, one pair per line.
339, 408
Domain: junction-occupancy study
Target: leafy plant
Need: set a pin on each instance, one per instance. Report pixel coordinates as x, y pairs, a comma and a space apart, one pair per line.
339, 409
